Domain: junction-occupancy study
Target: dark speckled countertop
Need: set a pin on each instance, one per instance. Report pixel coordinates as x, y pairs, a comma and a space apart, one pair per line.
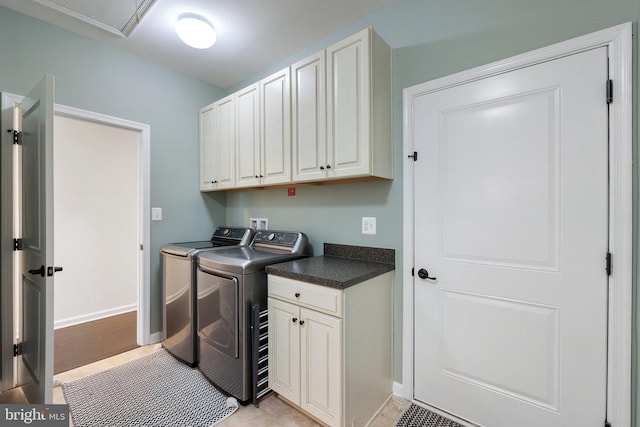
341, 266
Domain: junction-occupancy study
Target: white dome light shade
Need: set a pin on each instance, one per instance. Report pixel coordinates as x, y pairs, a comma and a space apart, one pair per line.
195, 31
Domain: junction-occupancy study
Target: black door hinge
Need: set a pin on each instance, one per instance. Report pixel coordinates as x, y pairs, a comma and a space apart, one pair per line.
17, 136
17, 244
413, 271
607, 423
414, 156
17, 350
609, 266
609, 91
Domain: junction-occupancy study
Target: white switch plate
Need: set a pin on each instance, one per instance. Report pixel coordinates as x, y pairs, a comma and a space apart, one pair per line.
156, 214
368, 225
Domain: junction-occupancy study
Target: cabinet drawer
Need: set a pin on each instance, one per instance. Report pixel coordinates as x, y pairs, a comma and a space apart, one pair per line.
321, 298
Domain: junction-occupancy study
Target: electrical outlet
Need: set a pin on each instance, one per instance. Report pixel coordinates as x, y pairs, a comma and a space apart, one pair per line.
368, 225
259, 223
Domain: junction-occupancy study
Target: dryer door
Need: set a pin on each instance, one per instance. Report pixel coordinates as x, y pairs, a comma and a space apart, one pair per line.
218, 312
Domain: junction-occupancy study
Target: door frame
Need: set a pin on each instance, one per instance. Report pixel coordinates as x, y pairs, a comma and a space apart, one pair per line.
8, 372
144, 281
618, 40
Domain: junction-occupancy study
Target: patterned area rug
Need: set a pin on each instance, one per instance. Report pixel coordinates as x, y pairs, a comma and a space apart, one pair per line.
155, 390
417, 416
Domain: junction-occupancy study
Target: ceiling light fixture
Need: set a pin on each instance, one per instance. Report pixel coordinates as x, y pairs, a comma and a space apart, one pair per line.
195, 31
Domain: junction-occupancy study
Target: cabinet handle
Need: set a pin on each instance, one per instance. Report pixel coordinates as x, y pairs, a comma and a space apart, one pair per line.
294, 320
321, 168
328, 166
257, 176
297, 294
301, 322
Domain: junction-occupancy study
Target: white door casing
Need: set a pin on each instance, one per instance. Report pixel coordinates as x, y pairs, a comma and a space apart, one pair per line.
617, 41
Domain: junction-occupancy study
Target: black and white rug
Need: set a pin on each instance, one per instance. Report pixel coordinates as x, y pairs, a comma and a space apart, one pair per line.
417, 416
154, 390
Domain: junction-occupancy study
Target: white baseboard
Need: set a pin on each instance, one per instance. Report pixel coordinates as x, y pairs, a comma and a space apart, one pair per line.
76, 320
397, 389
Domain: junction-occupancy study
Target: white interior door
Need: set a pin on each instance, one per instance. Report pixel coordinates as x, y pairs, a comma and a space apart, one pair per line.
36, 364
511, 210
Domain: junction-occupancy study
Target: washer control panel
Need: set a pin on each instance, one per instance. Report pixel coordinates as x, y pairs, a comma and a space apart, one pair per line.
276, 237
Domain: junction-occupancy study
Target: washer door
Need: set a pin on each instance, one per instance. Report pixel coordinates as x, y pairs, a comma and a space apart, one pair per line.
218, 312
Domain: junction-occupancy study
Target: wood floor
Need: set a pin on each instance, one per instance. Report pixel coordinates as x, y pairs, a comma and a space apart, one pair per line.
88, 342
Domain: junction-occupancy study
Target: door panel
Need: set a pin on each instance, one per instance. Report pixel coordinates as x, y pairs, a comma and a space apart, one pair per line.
511, 206
321, 366
36, 364
284, 349
218, 312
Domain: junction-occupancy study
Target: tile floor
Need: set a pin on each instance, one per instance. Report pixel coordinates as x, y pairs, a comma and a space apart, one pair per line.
272, 411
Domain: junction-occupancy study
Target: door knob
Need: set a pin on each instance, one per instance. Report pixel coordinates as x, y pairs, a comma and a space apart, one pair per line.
39, 271
424, 274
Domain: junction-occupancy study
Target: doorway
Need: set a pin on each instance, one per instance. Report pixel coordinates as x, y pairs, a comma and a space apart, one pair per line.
116, 129
96, 239
485, 305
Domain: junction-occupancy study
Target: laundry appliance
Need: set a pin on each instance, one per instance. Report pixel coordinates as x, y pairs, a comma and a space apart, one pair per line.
229, 282
178, 287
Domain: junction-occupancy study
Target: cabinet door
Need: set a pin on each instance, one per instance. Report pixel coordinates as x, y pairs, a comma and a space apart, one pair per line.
224, 143
248, 136
284, 349
308, 118
321, 366
349, 106
206, 148
275, 124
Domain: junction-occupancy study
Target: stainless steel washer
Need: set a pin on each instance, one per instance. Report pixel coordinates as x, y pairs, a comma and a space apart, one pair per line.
228, 282
178, 287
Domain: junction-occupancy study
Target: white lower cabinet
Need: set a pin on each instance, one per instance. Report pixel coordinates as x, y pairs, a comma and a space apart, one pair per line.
323, 355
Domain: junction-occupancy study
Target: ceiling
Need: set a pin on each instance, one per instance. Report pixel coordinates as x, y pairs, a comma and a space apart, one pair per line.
252, 34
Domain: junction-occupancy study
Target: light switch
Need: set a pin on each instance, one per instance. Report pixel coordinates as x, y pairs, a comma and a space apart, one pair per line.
156, 214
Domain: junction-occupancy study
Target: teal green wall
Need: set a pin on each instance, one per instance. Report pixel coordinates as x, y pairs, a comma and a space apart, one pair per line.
91, 76
430, 38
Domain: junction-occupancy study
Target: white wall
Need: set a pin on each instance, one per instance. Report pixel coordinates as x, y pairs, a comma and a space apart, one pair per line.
96, 220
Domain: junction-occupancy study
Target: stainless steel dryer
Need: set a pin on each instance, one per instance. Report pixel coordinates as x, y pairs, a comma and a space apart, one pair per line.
229, 281
178, 287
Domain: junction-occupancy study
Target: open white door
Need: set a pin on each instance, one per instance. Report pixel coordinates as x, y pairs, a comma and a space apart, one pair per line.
36, 361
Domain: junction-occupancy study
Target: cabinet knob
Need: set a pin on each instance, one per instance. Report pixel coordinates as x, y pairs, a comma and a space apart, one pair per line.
328, 166
321, 168
301, 322
294, 320
257, 176
297, 294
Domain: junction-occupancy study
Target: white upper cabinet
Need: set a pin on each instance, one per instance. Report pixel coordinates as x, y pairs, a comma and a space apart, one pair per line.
308, 118
206, 148
275, 128
224, 151
217, 145
359, 115
327, 117
248, 137
341, 111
